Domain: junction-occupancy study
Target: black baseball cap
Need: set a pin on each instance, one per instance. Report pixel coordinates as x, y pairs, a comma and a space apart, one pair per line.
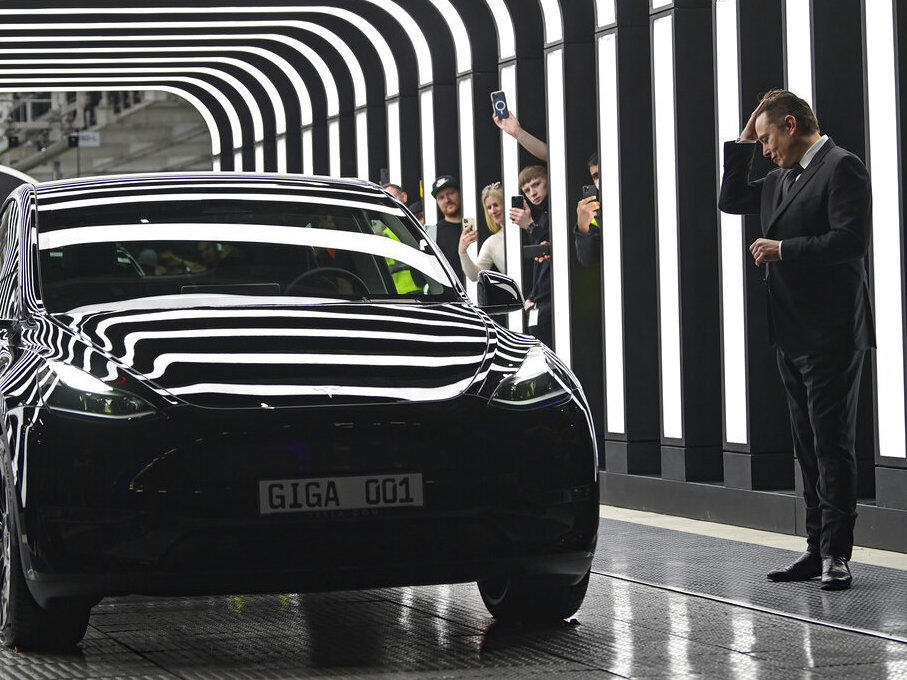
443, 182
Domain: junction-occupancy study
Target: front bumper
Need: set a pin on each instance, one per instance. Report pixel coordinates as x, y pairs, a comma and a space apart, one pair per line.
169, 505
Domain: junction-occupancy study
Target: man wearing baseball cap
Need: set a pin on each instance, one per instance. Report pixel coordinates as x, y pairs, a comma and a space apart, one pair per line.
446, 233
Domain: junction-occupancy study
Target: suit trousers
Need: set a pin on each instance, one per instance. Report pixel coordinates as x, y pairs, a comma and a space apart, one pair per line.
822, 392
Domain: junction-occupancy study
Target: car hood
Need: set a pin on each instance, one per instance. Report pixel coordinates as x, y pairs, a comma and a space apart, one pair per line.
273, 356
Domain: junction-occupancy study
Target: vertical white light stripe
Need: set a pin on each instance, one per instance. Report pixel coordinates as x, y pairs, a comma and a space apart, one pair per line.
609, 169
504, 25
554, 26
308, 152
468, 190
887, 247
394, 152
334, 147
510, 163
427, 116
733, 316
798, 51
604, 12
561, 240
362, 144
658, 4
666, 187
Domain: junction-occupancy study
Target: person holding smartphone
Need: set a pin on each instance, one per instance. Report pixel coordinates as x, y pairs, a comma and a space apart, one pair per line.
587, 236
533, 217
491, 254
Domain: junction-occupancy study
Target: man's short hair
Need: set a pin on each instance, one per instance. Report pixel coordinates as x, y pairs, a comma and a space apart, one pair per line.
530, 173
390, 185
780, 103
592, 160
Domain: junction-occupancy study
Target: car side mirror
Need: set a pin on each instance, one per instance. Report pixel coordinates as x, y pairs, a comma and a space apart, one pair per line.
498, 293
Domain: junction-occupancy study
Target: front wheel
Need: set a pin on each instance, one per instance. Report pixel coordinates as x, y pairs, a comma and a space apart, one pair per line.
23, 622
513, 598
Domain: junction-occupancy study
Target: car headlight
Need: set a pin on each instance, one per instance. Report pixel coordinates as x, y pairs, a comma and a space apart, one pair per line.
535, 383
80, 392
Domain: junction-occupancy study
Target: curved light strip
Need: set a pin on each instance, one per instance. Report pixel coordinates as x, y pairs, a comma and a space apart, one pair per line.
372, 34
554, 24
280, 118
324, 72
197, 103
462, 45
503, 24
242, 90
18, 174
291, 73
349, 57
213, 91
410, 27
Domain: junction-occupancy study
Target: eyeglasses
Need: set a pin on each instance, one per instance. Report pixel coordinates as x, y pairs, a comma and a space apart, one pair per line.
496, 185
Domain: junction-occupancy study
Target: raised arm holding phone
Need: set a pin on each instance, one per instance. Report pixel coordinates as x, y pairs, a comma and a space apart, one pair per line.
504, 118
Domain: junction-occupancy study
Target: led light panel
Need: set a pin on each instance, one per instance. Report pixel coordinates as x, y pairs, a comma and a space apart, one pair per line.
887, 238
612, 280
561, 240
666, 186
733, 304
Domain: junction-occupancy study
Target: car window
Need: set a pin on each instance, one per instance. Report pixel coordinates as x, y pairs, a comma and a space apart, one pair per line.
139, 249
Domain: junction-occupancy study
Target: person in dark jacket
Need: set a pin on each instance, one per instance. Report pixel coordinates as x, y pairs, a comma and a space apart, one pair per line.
816, 226
587, 235
534, 218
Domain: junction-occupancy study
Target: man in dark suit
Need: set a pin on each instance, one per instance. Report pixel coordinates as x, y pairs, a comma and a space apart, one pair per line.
815, 210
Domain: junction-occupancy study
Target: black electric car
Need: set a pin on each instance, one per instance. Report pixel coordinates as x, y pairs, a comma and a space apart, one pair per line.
217, 383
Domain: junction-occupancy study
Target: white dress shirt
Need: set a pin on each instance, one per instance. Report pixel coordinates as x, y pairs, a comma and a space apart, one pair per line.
804, 163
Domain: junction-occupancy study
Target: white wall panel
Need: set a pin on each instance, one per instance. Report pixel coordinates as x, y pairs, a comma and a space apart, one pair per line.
612, 281
666, 188
561, 238
733, 307
888, 246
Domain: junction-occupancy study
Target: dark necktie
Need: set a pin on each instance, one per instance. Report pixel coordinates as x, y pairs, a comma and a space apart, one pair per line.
789, 180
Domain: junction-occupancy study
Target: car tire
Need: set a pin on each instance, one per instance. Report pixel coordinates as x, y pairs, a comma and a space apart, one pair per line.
23, 622
518, 599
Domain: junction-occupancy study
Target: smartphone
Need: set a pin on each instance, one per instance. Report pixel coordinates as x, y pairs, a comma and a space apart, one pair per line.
590, 190
536, 251
499, 104
517, 202
469, 223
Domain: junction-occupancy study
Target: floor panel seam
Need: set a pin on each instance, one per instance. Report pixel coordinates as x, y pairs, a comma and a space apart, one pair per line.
141, 655
755, 607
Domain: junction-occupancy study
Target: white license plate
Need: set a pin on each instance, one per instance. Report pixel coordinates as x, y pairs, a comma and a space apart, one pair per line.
339, 493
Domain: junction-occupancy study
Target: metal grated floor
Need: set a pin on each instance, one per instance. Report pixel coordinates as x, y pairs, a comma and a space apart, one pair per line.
625, 629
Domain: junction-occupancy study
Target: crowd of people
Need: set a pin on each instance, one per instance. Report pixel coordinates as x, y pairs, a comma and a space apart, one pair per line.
528, 212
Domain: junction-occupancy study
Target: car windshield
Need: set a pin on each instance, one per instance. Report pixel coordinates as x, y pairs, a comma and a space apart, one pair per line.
276, 247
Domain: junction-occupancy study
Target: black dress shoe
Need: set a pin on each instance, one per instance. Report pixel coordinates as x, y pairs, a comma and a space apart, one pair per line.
835, 574
808, 566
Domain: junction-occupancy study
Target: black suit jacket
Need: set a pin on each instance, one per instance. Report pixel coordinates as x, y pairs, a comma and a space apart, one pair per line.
818, 293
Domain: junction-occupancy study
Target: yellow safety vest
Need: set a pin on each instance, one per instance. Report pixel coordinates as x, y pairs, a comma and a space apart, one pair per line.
402, 276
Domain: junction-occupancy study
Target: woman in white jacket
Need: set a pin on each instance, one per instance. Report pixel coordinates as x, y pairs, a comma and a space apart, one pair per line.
491, 255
